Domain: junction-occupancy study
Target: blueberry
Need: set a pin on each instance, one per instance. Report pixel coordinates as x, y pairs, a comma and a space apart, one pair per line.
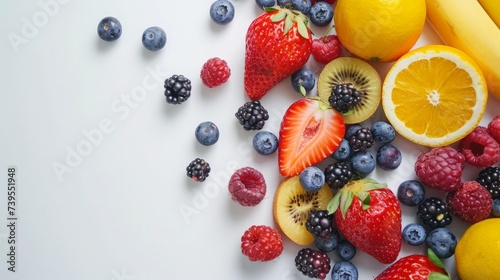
383, 132
327, 244
414, 234
303, 6
351, 130
321, 13
303, 81
207, 133
345, 250
109, 29
411, 193
362, 163
312, 179
154, 38
343, 152
285, 3
344, 270
389, 157
495, 210
442, 241
222, 12
265, 3
265, 143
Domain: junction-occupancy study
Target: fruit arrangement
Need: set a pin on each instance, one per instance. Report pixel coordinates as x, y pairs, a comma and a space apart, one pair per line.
345, 125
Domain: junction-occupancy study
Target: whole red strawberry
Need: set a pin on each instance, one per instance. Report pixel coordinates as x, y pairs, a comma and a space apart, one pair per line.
415, 267
261, 243
494, 128
326, 48
471, 203
278, 43
368, 215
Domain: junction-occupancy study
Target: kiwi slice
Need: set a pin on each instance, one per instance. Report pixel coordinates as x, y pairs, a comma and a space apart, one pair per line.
291, 206
362, 76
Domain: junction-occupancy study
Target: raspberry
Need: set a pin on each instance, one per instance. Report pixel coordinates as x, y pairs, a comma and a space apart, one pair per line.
494, 128
440, 168
471, 203
215, 72
247, 186
312, 263
479, 148
326, 48
261, 243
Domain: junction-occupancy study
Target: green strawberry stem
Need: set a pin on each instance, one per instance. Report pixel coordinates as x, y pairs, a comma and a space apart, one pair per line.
323, 105
290, 16
437, 261
355, 188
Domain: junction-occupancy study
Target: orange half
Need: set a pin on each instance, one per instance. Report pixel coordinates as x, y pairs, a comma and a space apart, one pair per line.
434, 95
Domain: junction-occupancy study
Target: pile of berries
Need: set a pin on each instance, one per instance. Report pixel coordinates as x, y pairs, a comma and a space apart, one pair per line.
470, 201
360, 152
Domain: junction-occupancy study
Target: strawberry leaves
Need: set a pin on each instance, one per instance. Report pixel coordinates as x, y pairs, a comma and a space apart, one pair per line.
435, 260
290, 16
357, 188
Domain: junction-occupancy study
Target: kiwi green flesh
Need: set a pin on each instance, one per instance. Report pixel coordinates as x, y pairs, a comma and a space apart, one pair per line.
292, 205
362, 76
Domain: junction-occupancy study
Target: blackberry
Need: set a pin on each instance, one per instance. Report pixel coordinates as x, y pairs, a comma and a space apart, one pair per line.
434, 213
313, 263
362, 139
344, 98
319, 223
338, 174
198, 170
490, 179
177, 89
252, 115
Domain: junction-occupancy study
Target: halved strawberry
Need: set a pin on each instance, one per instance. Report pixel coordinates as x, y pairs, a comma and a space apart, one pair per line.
310, 132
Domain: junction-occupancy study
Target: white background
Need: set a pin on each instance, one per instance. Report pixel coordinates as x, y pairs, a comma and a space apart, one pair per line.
114, 212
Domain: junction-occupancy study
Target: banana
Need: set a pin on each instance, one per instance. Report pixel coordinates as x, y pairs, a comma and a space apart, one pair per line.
465, 25
492, 8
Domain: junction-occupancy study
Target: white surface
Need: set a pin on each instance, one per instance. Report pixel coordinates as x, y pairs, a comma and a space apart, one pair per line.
116, 214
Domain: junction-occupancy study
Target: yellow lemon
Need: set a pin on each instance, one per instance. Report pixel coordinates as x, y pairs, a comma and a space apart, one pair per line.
434, 95
478, 251
379, 30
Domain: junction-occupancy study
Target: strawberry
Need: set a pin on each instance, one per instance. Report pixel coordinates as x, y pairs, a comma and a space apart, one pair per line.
278, 43
310, 132
415, 267
368, 215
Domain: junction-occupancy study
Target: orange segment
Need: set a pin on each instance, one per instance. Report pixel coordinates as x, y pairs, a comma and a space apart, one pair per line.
434, 95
